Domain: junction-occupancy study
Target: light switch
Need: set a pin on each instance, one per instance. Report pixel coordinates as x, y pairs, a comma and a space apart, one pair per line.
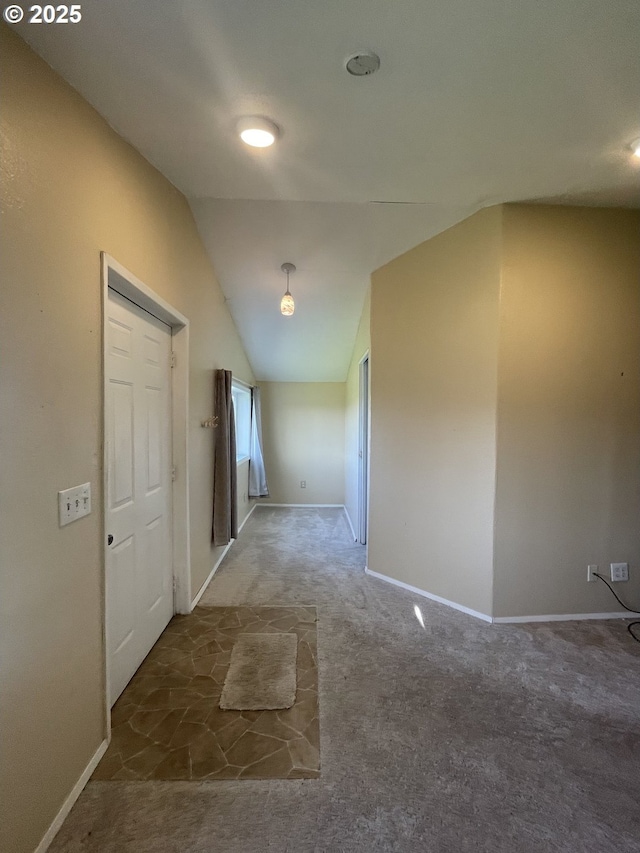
74, 503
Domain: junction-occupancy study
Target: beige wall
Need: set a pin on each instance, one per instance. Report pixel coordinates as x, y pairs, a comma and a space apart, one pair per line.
351, 414
568, 475
506, 366
71, 188
434, 344
244, 502
303, 436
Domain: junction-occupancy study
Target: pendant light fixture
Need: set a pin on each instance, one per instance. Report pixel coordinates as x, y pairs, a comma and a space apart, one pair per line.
287, 305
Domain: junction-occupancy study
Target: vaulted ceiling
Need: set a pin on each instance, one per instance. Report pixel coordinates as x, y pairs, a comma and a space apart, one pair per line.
476, 102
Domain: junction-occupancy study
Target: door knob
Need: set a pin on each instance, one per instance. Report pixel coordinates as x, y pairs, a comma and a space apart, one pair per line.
109, 539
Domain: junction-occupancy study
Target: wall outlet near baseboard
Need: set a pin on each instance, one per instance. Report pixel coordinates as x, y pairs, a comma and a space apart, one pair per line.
591, 573
303, 484
619, 572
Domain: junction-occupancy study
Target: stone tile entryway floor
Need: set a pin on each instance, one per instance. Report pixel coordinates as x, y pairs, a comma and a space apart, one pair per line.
168, 724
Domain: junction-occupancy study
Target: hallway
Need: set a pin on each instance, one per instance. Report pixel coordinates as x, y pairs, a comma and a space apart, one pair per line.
456, 736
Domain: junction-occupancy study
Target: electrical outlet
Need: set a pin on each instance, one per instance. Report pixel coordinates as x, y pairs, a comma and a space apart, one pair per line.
591, 573
619, 572
303, 484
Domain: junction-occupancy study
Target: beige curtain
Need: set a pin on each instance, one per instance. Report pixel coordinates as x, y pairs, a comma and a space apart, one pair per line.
225, 509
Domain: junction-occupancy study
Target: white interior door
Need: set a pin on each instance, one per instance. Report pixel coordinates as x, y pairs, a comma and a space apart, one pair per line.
139, 570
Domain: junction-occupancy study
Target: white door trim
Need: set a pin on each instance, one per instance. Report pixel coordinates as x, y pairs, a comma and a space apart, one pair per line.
118, 278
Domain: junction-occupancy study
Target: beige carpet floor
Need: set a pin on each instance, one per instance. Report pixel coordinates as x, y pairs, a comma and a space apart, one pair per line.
168, 724
455, 737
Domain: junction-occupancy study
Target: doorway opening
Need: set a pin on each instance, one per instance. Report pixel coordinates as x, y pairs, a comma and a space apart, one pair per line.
363, 451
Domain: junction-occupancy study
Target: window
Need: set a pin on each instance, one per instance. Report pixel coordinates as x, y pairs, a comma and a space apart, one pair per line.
242, 410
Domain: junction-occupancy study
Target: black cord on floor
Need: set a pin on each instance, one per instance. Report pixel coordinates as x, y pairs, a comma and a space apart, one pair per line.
631, 624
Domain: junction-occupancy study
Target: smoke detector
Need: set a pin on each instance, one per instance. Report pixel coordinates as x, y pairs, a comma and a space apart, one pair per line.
362, 64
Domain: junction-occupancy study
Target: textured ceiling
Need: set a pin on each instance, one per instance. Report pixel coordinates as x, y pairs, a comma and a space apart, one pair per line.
476, 102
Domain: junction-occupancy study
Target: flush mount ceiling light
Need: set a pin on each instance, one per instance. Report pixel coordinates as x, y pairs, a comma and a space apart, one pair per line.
362, 64
635, 147
287, 305
257, 131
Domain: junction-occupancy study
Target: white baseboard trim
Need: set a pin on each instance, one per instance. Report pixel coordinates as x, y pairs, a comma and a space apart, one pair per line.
246, 518
353, 533
430, 595
68, 804
557, 617
308, 506
216, 565
320, 506
499, 620
200, 592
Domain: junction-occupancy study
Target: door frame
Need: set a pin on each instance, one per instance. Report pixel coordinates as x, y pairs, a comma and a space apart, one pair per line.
116, 277
364, 445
